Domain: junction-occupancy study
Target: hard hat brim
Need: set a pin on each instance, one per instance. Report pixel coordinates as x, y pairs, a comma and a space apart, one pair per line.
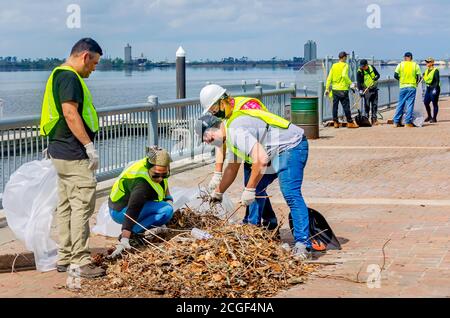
218, 96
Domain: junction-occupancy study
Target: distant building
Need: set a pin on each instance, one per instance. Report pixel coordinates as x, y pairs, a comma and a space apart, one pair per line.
128, 59
310, 51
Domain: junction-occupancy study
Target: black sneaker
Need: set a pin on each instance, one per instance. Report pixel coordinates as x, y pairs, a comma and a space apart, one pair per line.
433, 121
428, 119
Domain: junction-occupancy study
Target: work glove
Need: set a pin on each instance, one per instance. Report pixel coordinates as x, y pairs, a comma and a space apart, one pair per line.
216, 197
123, 245
352, 85
248, 196
93, 156
361, 93
434, 92
215, 181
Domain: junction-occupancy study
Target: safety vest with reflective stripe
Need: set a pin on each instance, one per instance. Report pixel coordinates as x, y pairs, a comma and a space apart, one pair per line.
269, 118
136, 170
338, 77
50, 114
369, 77
408, 74
428, 75
241, 101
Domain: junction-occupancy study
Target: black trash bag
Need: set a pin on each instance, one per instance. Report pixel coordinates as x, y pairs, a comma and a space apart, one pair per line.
317, 223
362, 121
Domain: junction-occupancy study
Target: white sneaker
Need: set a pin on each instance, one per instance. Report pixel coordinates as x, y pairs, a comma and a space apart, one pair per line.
300, 252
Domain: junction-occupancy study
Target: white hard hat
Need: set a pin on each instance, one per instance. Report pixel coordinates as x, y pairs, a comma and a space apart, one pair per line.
209, 95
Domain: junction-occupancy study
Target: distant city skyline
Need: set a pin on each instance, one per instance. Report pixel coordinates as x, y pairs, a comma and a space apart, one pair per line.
213, 29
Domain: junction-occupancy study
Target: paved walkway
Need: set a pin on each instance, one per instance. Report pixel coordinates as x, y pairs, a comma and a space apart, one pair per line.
379, 186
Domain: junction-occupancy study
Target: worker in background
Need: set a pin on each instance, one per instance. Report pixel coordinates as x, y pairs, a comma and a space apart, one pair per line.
70, 121
141, 195
367, 82
275, 149
215, 100
408, 74
432, 80
340, 83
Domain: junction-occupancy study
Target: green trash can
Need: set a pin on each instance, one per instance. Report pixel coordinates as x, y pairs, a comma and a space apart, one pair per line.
305, 114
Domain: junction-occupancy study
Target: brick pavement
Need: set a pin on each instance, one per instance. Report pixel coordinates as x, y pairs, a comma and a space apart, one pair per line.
416, 262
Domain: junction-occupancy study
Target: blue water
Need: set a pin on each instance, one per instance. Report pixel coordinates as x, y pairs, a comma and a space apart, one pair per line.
22, 91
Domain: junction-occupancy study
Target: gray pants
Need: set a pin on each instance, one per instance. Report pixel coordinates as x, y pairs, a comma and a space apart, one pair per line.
76, 191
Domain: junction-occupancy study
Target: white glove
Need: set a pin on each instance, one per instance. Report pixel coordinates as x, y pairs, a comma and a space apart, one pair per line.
216, 197
122, 246
248, 196
434, 92
215, 181
93, 156
352, 85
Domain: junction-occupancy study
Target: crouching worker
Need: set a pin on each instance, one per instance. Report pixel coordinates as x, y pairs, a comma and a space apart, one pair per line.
140, 198
275, 149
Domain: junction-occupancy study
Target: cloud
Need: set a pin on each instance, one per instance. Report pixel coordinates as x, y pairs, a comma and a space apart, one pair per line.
215, 28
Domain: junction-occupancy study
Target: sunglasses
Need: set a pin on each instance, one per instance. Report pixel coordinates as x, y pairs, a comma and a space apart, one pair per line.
160, 175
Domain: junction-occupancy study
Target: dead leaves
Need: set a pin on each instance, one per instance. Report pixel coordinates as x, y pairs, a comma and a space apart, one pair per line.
239, 261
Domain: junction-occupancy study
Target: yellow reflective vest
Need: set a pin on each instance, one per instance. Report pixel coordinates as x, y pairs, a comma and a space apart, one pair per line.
428, 75
51, 115
408, 71
369, 77
136, 170
338, 77
269, 118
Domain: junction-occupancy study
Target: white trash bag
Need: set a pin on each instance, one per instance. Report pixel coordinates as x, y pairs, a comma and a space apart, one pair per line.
29, 201
182, 196
105, 225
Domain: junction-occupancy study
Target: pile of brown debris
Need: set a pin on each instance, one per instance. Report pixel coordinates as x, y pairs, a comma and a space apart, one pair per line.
238, 261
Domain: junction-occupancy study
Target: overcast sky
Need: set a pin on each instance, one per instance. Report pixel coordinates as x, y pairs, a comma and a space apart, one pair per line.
220, 28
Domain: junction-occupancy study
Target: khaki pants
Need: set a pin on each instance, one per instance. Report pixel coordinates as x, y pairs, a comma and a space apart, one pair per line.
76, 190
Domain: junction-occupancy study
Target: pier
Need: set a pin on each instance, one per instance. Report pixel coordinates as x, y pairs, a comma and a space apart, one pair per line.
383, 190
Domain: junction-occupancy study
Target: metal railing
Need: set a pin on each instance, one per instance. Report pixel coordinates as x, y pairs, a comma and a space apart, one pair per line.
124, 131
387, 97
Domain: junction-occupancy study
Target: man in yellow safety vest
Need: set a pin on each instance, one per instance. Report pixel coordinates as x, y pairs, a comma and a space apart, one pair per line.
70, 121
367, 81
339, 82
216, 100
408, 74
276, 149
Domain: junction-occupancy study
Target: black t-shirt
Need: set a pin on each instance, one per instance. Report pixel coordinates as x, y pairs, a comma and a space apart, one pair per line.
63, 144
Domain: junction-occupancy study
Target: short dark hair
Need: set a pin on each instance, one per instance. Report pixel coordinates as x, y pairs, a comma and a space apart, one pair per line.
363, 62
86, 44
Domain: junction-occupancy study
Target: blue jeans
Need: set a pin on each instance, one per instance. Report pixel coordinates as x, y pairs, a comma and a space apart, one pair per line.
289, 167
261, 209
152, 214
406, 99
